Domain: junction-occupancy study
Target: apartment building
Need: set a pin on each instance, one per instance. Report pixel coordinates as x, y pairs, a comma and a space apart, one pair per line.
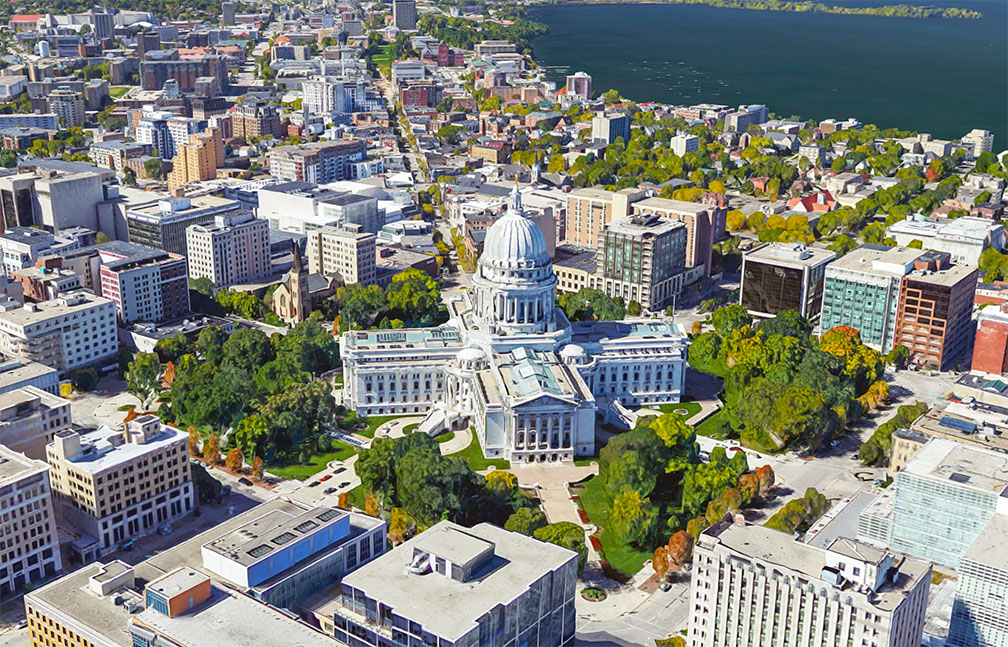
642, 259
934, 314
607, 128
980, 608
255, 118
29, 418
348, 252
21, 247
784, 276
746, 116
234, 249
682, 144
752, 585
862, 291
45, 121
146, 284
17, 373
579, 85
162, 225
964, 239
115, 484
990, 346
68, 106
980, 141
74, 331
450, 584
29, 546
317, 162
198, 159
404, 14
113, 154
590, 210
575, 268
163, 65
701, 226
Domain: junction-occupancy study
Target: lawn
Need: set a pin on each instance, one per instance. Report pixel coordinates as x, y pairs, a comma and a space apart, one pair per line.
710, 426
473, 454
338, 382
692, 408
355, 497
382, 59
445, 437
373, 422
300, 472
117, 91
623, 558
408, 429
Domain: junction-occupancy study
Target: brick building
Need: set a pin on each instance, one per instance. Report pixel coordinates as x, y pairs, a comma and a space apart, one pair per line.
990, 350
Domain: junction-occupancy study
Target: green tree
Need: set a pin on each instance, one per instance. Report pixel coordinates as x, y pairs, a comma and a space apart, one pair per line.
634, 309
152, 168
414, 296
210, 344
566, 535
143, 378
172, 348
898, 356
247, 349
526, 521
632, 519
729, 318
251, 435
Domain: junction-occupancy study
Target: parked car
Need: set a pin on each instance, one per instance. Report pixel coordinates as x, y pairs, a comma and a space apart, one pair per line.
164, 530
735, 448
326, 477
339, 470
22, 624
313, 484
665, 587
329, 490
244, 481
344, 484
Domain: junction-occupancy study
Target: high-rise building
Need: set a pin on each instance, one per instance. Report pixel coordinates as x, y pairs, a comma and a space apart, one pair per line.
746, 116
163, 65
481, 586
317, 162
990, 347
682, 144
944, 496
980, 609
862, 291
642, 259
700, 227
162, 225
74, 331
935, 310
579, 84
334, 95
197, 160
607, 128
752, 585
22, 246
116, 484
31, 549
29, 418
784, 276
227, 13
152, 129
982, 141
404, 14
68, 105
146, 284
347, 252
255, 118
590, 210
234, 249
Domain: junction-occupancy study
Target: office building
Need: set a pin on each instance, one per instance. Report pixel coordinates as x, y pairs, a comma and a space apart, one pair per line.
980, 609
255, 118
300, 207
23, 246
990, 347
964, 239
682, 144
227, 14
31, 551
784, 276
113, 154
579, 85
234, 249
163, 65
152, 129
74, 331
181, 130
746, 116
67, 199
45, 121
335, 95
146, 284
488, 48
752, 585
68, 106
575, 268
590, 210
701, 227
944, 496
862, 290
17, 373
29, 418
162, 225
980, 141
404, 14
316, 162
934, 314
642, 259
116, 484
480, 586
607, 128
197, 160
345, 252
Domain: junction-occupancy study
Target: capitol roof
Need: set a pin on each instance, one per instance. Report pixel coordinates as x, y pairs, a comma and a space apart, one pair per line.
515, 241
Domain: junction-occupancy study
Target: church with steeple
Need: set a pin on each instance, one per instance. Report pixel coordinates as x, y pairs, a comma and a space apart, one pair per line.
530, 383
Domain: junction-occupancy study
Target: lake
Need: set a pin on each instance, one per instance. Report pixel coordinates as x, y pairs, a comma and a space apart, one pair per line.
941, 76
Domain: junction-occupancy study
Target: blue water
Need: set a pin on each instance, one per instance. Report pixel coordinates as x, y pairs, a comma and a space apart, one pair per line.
940, 76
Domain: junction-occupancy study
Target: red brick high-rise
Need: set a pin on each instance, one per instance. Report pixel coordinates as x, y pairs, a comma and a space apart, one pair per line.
990, 350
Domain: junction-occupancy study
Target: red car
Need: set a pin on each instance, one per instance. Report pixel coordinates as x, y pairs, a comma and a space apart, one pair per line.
735, 449
325, 478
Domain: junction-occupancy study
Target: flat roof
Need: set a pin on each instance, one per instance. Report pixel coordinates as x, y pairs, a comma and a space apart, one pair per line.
15, 370
790, 255
177, 581
447, 607
579, 258
947, 460
66, 304
100, 451
947, 276
988, 547
666, 204
877, 260
258, 539
445, 337
15, 466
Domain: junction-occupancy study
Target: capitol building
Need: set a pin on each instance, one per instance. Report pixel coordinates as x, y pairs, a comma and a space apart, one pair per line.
529, 382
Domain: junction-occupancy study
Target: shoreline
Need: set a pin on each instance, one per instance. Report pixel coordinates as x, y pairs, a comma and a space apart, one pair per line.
790, 7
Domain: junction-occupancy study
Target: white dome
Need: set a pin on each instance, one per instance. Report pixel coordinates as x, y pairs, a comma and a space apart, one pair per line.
470, 355
573, 351
515, 241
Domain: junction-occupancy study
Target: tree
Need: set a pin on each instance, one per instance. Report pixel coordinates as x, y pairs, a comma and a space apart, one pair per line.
172, 348
143, 377
194, 442
632, 519
696, 526
152, 168
257, 468
634, 309
526, 521
210, 344
660, 562
414, 297
247, 349
401, 526
898, 356
729, 318
211, 449
735, 220
765, 475
235, 460
680, 548
566, 535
